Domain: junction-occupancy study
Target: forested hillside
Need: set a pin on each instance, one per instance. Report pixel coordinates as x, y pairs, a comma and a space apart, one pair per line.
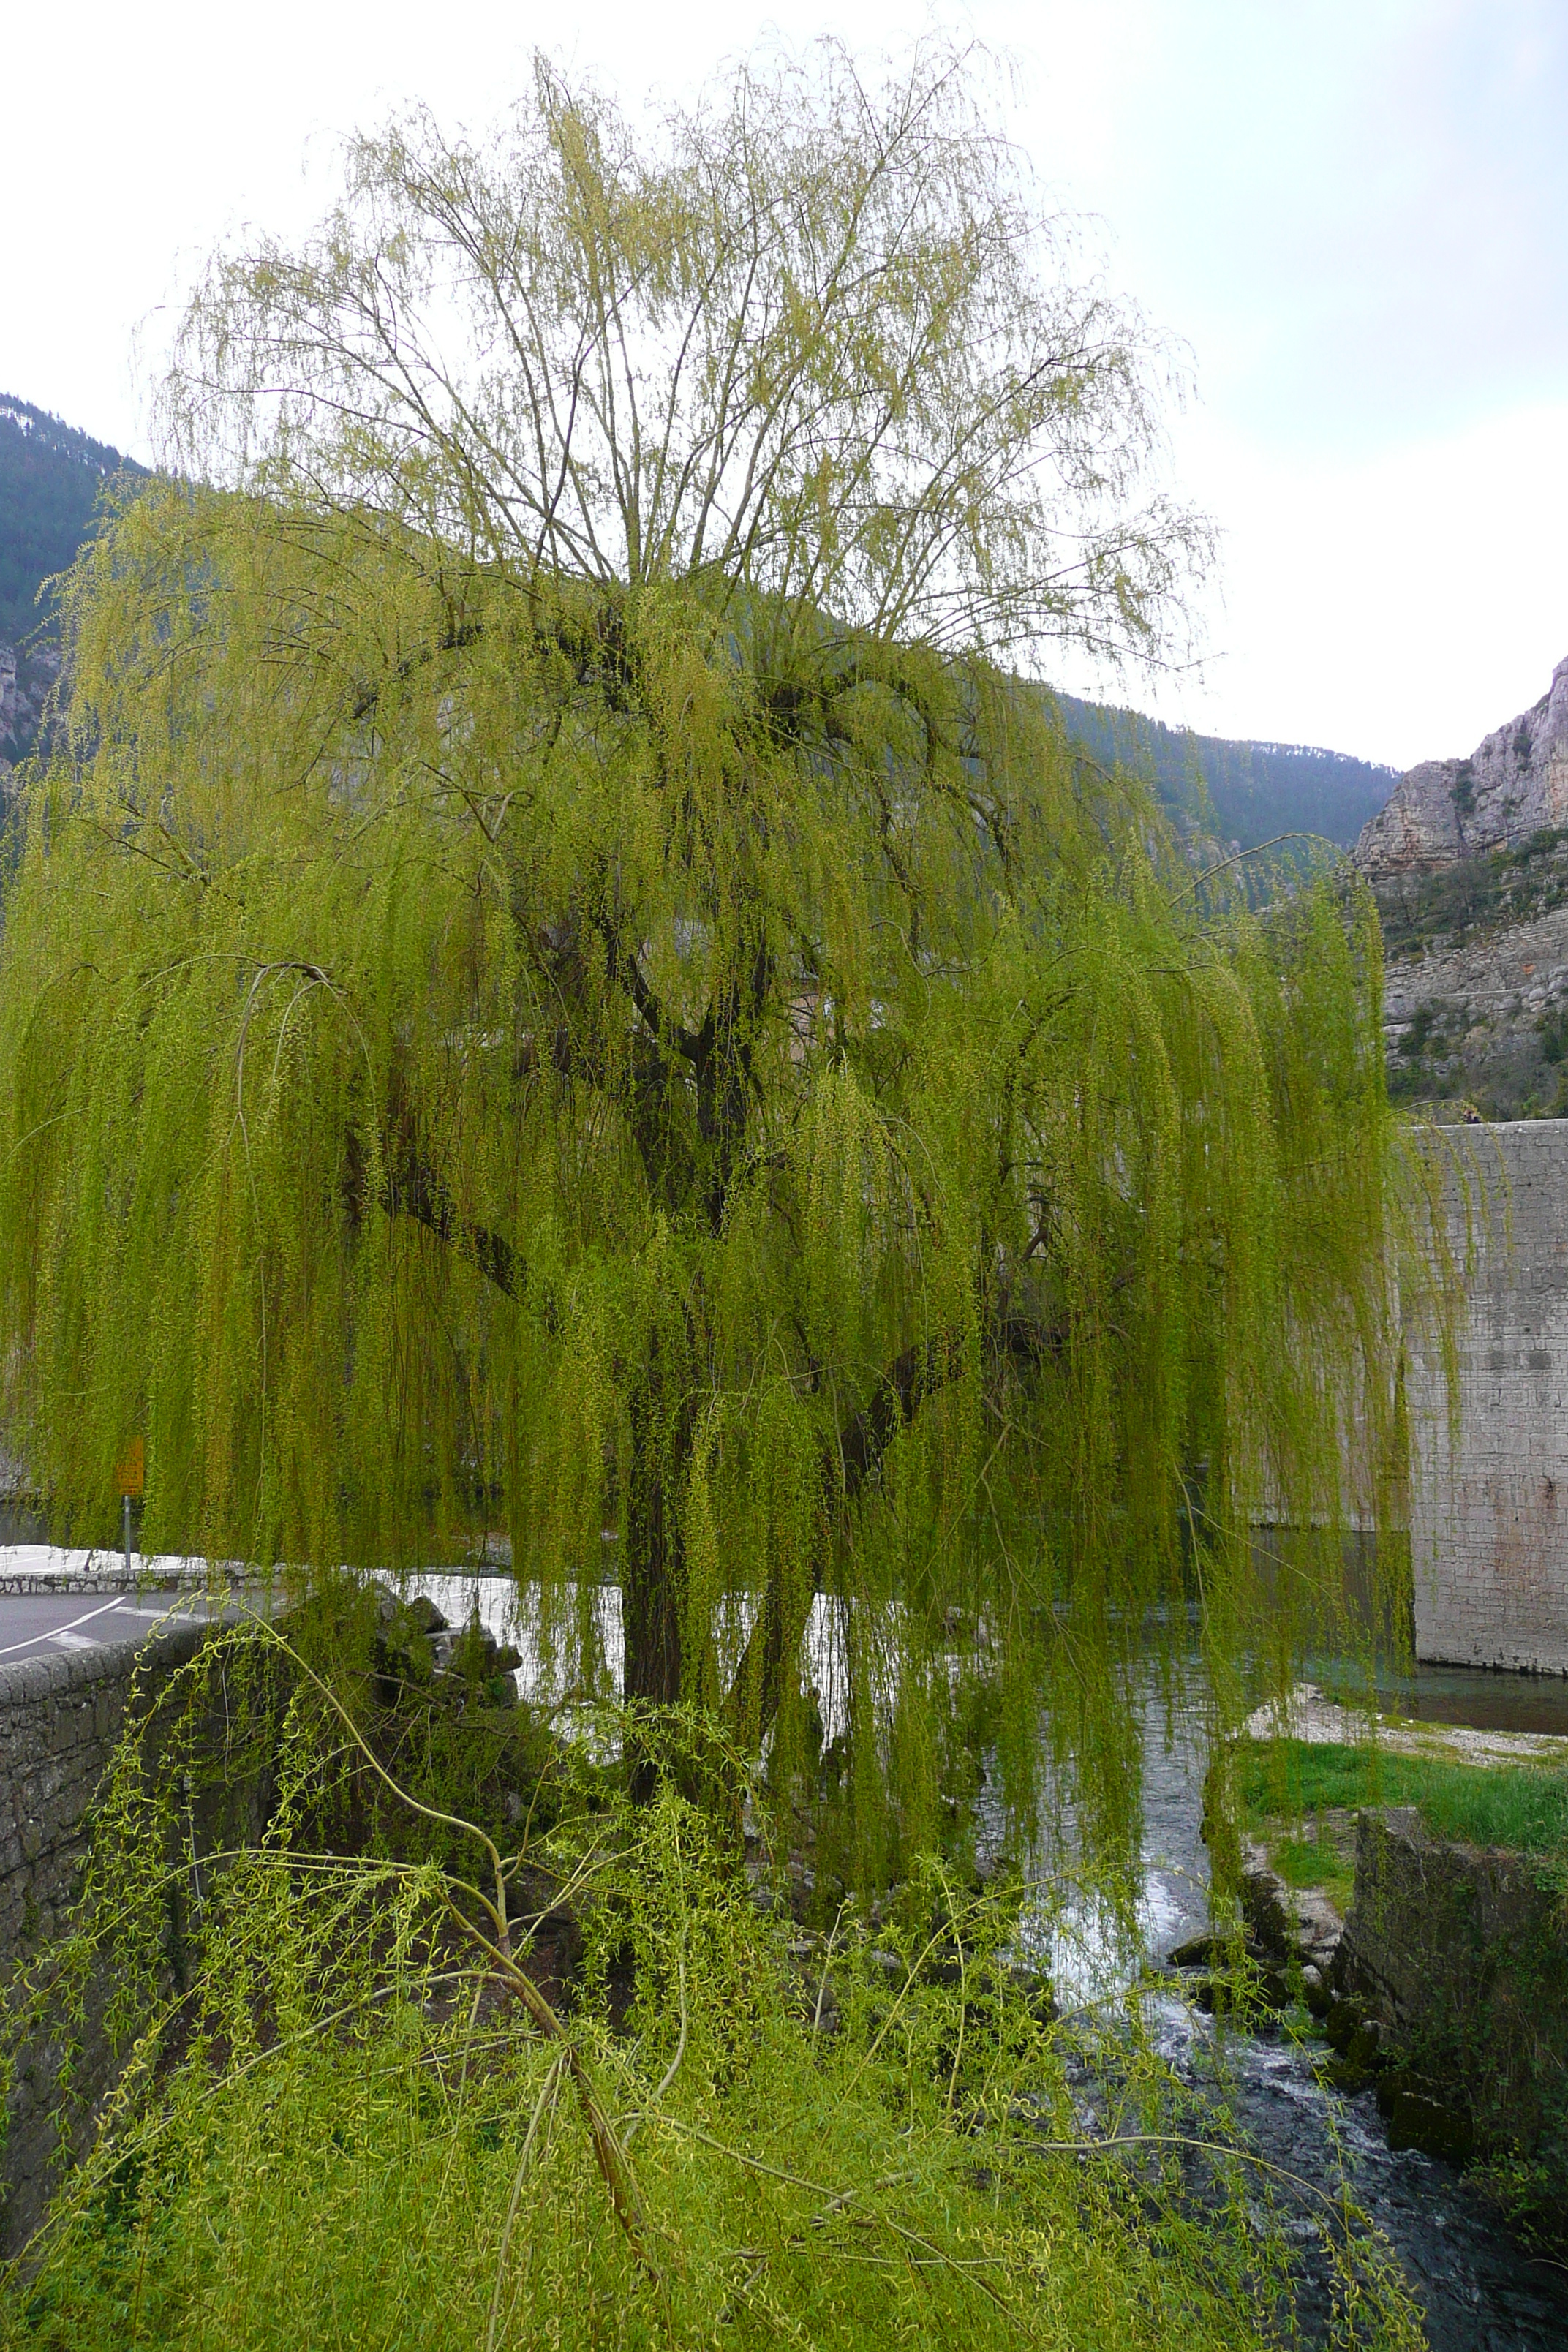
1242, 792
50, 480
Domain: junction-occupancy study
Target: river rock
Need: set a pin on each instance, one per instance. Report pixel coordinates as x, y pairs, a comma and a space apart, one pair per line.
1290, 1928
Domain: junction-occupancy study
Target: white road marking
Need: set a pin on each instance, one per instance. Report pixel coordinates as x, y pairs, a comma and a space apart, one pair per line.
69, 1641
59, 1634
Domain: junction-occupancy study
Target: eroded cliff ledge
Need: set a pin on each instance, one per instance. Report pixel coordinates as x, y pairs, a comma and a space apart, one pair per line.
1513, 785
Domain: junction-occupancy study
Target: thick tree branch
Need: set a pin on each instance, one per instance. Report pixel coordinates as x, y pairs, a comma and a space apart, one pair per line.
410, 1187
453, 640
416, 1191
919, 1372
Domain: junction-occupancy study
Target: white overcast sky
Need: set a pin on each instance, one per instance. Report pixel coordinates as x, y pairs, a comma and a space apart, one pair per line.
1355, 212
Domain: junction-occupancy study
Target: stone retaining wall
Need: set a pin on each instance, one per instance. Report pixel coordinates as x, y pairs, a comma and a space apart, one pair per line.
60, 1718
1462, 1952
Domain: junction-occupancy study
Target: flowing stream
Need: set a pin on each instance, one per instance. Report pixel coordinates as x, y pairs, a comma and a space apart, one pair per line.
1478, 2290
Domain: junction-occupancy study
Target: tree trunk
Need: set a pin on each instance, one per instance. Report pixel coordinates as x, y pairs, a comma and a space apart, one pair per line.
650, 1605
651, 1587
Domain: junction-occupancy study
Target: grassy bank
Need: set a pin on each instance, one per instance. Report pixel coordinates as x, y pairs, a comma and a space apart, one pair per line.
1522, 1807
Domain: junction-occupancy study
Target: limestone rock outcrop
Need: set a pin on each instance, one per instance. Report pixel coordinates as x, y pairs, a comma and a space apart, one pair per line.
1514, 784
27, 674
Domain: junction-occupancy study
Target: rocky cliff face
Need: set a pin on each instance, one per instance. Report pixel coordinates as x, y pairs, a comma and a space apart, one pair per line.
1469, 862
1512, 786
1480, 1017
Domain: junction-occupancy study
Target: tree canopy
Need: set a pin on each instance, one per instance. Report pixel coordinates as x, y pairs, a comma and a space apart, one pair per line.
564, 984
811, 347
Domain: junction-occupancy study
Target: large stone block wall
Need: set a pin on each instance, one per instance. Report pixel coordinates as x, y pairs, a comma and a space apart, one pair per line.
1462, 1953
60, 1717
1488, 1516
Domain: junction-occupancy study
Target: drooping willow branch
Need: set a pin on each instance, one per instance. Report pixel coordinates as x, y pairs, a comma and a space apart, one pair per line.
610, 2154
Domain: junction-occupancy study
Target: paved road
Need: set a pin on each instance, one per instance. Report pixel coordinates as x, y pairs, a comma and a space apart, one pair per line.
40, 1624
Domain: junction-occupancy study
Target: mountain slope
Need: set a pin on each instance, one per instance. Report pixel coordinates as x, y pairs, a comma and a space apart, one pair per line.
1514, 786
1241, 792
51, 478
1469, 862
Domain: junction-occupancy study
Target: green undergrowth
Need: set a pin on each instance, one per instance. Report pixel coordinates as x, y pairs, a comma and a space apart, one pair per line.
362, 2195
361, 2112
1523, 1807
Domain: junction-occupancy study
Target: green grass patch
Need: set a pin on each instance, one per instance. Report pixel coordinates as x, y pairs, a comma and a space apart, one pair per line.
1524, 1806
1315, 1862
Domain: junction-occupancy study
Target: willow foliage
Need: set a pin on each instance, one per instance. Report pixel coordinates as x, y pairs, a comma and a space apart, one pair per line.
562, 990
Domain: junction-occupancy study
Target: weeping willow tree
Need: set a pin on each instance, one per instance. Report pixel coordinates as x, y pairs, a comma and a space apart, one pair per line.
567, 984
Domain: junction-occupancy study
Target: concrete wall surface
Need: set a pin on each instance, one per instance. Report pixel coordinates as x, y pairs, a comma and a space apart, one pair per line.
1488, 1516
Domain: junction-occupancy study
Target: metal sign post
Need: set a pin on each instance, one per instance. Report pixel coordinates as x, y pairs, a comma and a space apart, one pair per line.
130, 1479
